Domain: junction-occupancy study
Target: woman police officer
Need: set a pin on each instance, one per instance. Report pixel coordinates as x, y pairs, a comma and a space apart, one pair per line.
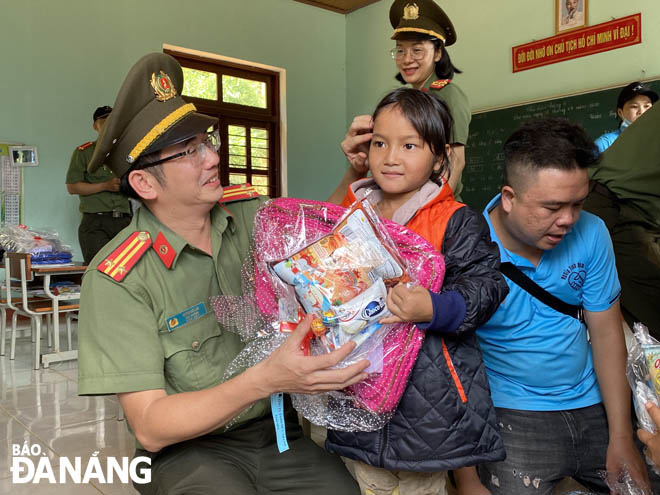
422, 32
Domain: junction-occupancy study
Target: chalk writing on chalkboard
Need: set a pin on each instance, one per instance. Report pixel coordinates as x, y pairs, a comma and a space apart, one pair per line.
482, 176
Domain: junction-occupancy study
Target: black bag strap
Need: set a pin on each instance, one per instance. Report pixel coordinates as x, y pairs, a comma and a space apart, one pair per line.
519, 278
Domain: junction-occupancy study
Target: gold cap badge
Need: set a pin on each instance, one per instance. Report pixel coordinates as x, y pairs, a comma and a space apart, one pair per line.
163, 86
410, 12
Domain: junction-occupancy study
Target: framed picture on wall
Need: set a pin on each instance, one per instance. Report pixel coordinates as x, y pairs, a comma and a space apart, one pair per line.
570, 14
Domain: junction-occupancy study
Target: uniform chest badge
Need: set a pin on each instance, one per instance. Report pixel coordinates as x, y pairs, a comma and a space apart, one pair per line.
186, 316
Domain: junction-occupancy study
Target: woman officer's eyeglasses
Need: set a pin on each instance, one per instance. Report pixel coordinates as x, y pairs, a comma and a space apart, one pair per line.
416, 52
197, 152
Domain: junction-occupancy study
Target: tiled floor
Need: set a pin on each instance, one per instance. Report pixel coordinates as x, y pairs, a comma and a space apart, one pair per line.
43, 410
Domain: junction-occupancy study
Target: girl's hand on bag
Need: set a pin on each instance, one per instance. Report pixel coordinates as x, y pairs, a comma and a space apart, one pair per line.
408, 304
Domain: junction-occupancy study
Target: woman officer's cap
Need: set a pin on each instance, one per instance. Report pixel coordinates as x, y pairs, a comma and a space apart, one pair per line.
149, 115
421, 16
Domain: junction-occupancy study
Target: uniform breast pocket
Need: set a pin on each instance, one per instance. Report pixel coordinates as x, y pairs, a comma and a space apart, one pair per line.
195, 354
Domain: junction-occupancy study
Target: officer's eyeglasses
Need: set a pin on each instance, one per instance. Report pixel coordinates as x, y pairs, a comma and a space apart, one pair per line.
197, 152
416, 52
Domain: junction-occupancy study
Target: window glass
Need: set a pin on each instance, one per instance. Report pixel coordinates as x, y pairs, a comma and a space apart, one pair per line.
259, 146
243, 91
260, 183
237, 179
200, 84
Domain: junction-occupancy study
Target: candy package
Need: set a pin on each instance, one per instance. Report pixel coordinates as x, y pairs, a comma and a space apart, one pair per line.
336, 264
343, 279
643, 372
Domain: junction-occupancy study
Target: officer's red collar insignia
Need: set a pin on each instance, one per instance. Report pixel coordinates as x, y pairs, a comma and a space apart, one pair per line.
123, 259
237, 193
164, 250
85, 146
439, 84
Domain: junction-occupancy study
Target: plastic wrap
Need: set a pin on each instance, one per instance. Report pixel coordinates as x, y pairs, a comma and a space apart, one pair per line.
643, 372
319, 258
624, 484
44, 246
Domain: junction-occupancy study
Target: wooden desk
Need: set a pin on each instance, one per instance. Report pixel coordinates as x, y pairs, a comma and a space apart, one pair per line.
46, 272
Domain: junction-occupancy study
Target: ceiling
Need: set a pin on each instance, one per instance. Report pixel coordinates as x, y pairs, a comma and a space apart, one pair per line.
341, 6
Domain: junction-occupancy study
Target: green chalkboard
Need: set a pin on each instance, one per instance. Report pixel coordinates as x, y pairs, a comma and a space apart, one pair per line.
484, 158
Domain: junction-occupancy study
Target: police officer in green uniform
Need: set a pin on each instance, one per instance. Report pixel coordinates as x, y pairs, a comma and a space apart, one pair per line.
148, 334
625, 193
104, 210
422, 32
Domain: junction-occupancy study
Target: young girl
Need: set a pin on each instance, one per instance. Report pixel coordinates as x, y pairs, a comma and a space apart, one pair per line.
445, 419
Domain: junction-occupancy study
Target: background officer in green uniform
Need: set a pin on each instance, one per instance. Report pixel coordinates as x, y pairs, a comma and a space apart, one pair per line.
625, 193
422, 32
148, 334
104, 210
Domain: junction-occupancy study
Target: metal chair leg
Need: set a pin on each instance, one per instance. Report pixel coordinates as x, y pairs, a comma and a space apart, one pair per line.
49, 331
12, 345
69, 317
3, 329
37, 347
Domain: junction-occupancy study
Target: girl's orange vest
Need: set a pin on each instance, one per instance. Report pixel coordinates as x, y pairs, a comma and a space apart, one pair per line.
430, 221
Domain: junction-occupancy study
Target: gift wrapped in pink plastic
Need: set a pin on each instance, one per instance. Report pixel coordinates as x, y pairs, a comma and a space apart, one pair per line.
337, 264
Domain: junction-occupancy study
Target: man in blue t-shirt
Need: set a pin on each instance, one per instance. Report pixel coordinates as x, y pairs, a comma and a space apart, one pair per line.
562, 400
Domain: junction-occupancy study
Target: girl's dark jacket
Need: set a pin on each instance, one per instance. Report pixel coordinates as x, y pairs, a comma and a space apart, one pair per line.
446, 418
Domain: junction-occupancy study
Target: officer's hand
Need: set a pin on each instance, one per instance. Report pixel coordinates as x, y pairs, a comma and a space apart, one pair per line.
113, 184
408, 304
288, 370
356, 143
652, 440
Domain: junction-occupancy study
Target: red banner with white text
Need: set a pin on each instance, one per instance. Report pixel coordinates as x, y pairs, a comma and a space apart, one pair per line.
579, 43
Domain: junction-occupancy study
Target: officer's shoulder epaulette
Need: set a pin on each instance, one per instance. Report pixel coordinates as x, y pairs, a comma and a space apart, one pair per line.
439, 84
123, 259
85, 146
237, 193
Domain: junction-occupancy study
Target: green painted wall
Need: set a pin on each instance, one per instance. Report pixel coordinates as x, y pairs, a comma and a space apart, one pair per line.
487, 30
61, 59
64, 58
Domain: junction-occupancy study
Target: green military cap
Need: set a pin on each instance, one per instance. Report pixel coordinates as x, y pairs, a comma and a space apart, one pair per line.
149, 115
421, 16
